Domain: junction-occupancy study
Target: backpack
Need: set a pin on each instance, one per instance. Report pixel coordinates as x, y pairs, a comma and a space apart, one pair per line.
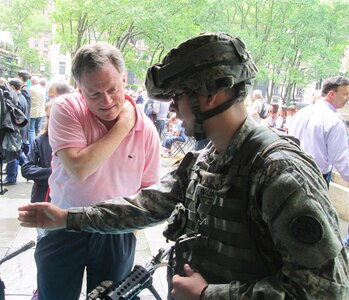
149, 109
264, 111
11, 119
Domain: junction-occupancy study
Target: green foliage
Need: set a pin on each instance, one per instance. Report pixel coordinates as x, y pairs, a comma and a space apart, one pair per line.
21, 19
293, 42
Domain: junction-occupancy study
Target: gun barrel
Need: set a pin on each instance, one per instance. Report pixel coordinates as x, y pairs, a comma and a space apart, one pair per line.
25, 247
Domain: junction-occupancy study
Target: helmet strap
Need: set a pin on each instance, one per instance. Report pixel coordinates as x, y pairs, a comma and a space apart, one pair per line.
195, 108
201, 117
219, 109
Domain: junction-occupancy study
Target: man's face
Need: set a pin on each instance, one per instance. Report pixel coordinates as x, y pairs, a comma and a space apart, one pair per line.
103, 91
340, 98
184, 112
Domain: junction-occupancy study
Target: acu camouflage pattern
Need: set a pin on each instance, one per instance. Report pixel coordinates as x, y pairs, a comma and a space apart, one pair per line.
287, 185
204, 64
217, 202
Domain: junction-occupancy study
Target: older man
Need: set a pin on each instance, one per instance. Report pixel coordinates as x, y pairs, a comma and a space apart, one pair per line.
103, 147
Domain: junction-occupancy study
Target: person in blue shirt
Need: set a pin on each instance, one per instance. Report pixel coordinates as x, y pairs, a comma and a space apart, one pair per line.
177, 136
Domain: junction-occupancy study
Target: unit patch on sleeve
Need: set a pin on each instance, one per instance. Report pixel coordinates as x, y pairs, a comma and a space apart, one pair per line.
307, 229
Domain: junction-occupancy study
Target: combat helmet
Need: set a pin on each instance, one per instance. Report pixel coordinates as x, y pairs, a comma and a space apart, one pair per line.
202, 65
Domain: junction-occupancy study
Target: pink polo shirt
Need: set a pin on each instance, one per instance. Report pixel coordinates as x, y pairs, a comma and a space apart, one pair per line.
135, 164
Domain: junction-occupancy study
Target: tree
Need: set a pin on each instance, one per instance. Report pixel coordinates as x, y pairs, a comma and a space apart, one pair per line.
292, 42
20, 18
122, 24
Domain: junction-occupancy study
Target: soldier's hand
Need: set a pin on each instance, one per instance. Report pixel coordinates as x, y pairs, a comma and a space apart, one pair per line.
188, 287
42, 215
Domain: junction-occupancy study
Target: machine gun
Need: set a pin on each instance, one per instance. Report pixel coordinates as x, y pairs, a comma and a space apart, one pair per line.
140, 278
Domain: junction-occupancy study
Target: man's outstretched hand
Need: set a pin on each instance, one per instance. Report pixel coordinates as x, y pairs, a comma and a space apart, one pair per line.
42, 215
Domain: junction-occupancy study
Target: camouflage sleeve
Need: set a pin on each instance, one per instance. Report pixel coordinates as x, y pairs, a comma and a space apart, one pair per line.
149, 207
303, 230
301, 227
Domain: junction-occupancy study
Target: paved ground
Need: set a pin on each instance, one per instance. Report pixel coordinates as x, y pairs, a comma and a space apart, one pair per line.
19, 273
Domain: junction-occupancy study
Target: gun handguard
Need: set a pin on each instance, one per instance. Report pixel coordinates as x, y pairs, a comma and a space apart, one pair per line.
138, 279
127, 289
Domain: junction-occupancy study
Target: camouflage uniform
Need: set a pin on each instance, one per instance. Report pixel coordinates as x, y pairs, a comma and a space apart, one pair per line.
295, 228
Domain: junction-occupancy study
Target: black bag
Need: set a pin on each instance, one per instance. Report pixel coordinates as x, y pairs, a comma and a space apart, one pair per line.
264, 111
11, 119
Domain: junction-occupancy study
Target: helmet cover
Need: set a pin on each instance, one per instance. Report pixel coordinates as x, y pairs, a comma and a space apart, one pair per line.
204, 64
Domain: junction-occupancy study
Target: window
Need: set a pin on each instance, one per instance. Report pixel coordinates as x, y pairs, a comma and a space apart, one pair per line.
300, 92
36, 43
62, 68
45, 44
276, 90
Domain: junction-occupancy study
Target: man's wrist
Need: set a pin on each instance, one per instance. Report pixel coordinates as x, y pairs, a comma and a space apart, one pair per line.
74, 219
203, 292
123, 126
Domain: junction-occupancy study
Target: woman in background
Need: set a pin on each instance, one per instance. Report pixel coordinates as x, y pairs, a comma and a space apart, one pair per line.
38, 165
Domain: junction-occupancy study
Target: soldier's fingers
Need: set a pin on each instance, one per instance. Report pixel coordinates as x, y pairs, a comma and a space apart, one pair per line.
188, 270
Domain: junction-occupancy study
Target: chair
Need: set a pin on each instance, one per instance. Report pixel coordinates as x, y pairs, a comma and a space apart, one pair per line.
183, 147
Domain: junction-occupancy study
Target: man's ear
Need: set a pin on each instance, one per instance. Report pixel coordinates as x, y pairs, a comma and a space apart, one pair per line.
211, 100
330, 94
207, 102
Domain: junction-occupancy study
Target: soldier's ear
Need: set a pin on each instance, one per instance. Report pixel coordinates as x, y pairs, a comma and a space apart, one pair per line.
211, 99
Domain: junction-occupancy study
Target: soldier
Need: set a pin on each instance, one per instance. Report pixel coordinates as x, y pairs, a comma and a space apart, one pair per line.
247, 225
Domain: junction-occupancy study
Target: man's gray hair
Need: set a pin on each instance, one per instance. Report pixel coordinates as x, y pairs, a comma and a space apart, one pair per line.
257, 93
90, 58
35, 79
61, 87
333, 83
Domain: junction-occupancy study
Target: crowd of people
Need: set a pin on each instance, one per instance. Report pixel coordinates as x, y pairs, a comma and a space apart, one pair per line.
275, 116
322, 131
253, 218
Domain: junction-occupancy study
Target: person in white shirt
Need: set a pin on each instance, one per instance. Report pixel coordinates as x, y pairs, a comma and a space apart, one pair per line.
256, 105
321, 132
37, 109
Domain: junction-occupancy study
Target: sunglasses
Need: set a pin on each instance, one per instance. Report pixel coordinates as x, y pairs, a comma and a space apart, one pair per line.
175, 97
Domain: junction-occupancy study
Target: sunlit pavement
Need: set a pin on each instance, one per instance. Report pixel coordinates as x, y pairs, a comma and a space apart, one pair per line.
19, 273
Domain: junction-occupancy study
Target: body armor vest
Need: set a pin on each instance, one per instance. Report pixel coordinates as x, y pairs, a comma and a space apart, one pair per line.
218, 240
